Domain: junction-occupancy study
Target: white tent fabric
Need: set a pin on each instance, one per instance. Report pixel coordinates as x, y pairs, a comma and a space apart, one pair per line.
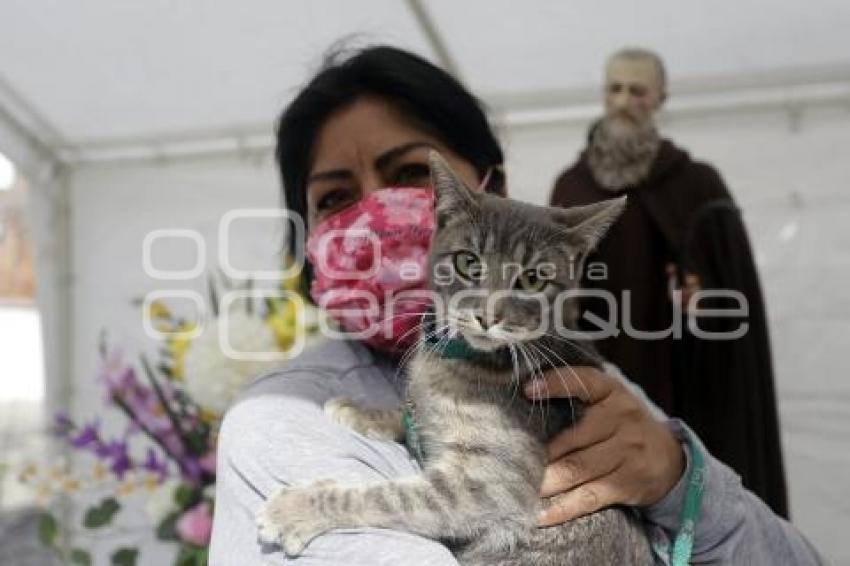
100, 75
131, 117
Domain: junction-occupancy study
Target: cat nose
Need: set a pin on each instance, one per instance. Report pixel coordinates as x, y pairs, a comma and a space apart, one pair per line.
486, 322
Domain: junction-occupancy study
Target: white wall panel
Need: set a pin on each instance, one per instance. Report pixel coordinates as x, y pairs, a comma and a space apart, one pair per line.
779, 176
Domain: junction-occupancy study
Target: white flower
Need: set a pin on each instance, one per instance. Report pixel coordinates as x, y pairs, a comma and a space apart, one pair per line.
161, 502
213, 378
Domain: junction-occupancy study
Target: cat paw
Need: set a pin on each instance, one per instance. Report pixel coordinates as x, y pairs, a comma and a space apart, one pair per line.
290, 518
363, 421
269, 524
344, 411
341, 410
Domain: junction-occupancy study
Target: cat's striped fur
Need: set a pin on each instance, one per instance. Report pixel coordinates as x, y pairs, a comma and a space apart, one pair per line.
483, 442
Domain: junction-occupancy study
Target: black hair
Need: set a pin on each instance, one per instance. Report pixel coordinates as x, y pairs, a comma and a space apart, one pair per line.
431, 98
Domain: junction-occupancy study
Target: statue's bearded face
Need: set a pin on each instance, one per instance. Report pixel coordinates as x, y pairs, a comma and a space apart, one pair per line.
624, 144
633, 93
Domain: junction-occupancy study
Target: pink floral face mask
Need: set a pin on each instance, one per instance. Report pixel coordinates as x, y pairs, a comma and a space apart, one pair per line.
370, 263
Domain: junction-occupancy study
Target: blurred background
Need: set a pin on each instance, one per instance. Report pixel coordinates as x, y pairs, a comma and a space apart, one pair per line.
118, 119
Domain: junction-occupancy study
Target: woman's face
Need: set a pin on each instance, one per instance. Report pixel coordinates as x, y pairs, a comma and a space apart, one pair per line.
367, 146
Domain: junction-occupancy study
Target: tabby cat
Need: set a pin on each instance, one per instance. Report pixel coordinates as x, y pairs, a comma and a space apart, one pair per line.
480, 442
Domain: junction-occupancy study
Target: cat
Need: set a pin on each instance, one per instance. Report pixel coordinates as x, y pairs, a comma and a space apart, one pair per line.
480, 442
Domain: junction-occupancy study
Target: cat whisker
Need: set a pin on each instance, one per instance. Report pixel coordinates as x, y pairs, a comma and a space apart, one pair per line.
417, 346
562, 363
516, 373
551, 365
535, 370
579, 348
522, 350
574, 344
401, 314
555, 368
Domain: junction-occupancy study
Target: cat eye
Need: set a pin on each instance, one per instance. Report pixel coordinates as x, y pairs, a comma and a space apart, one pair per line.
531, 281
468, 265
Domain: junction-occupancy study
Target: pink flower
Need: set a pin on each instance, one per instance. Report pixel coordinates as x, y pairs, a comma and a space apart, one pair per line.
195, 525
207, 462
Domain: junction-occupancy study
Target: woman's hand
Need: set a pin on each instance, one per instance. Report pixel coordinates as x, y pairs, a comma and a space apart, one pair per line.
616, 454
681, 296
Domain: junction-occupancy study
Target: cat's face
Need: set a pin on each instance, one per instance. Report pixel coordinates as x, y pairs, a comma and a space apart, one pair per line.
501, 269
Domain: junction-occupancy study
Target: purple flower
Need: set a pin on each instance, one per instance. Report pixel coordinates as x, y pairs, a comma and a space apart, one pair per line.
89, 436
208, 461
192, 470
116, 451
63, 425
141, 400
155, 465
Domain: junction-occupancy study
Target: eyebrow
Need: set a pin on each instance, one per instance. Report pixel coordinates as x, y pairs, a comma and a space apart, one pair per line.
381, 162
388, 157
334, 174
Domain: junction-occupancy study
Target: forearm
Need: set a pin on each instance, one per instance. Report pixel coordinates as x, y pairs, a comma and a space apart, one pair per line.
283, 438
734, 526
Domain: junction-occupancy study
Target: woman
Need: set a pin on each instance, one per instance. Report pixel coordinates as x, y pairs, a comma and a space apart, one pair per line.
365, 123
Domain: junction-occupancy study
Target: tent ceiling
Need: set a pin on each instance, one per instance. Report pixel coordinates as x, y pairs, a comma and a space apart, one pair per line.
100, 73
506, 47
102, 69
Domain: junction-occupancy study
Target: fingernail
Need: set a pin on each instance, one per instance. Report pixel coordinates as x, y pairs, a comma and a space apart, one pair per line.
534, 388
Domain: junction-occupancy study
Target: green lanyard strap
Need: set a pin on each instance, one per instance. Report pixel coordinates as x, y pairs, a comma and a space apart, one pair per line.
411, 435
683, 544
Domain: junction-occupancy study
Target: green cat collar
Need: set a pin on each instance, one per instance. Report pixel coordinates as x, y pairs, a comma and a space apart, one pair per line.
683, 544
459, 349
454, 349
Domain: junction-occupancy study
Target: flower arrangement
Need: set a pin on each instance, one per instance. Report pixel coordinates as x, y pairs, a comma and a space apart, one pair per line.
171, 411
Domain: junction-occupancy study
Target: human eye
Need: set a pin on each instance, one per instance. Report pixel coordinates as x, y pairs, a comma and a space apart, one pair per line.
334, 199
412, 175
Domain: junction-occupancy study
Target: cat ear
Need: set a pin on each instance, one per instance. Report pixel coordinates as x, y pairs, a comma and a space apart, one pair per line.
452, 195
586, 225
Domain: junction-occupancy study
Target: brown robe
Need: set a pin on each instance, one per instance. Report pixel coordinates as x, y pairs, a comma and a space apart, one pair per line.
683, 214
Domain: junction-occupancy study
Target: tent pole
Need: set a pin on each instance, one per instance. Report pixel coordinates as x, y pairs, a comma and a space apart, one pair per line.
434, 37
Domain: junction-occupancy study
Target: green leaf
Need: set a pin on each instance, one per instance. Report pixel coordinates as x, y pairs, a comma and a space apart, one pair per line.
213, 295
271, 307
80, 556
191, 555
102, 514
48, 528
186, 496
167, 529
169, 410
165, 370
196, 441
125, 557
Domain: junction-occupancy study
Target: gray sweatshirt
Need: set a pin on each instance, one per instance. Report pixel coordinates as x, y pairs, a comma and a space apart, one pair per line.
276, 434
